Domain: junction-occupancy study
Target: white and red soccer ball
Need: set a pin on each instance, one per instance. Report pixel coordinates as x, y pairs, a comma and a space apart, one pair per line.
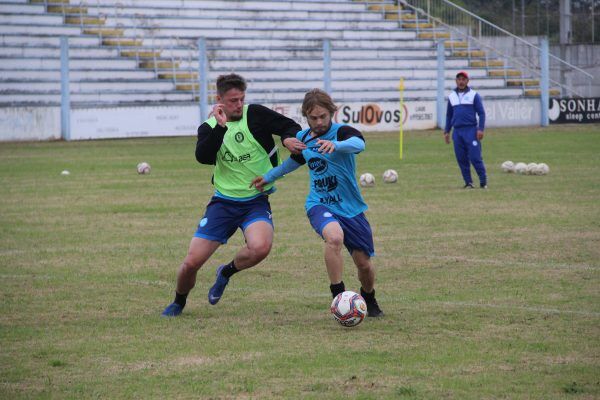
143, 168
349, 308
367, 180
390, 176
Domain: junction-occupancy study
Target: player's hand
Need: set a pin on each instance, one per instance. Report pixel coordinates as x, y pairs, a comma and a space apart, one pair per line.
259, 183
327, 146
447, 137
219, 113
479, 135
294, 145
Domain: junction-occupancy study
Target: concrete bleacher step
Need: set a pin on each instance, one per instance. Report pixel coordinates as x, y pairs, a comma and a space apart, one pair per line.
237, 13
77, 20
66, 8
104, 32
96, 97
486, 63
522, 82
468, 53
77, 75
504, 72
434, 35
538, 92
36, 63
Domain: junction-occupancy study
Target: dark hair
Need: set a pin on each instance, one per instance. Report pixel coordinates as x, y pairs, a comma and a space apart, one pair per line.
317, 97
231, 81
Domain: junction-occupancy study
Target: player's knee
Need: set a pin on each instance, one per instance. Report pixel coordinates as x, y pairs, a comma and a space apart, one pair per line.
260, 250
335, 241
190, 264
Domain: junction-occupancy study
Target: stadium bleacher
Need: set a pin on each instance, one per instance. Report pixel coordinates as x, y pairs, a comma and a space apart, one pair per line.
133, 51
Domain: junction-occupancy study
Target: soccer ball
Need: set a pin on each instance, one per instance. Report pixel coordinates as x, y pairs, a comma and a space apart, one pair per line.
531, 167
508, 166
367, 180
542, 169
520, 168
143, 168
390, 176
65, 172
349, 308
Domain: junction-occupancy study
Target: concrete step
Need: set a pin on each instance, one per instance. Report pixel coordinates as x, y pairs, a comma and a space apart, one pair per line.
111, 98
78, 86
523, 82
54, 52
74, 63
53, 41
236, 13
263, 23
282, 5
486, 63
293, 64
538, 92
77, 75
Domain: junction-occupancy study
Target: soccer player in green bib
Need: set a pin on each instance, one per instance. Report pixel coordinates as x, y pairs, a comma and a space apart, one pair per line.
238, 141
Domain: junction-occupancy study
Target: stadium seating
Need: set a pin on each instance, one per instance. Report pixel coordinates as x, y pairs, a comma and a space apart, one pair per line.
133, 51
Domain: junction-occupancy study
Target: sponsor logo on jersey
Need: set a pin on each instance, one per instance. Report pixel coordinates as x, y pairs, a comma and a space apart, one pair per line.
228, 157
325, 184
329, 199
317, 165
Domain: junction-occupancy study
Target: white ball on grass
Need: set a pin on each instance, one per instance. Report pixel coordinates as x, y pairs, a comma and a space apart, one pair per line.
543, 169
143, 168
367, 180
390, 176
520, 168
531, 167
508, 166
65, 172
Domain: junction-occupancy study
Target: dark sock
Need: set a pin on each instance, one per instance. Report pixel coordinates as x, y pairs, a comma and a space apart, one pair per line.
369, 297
337, 288
229, 270
181, 299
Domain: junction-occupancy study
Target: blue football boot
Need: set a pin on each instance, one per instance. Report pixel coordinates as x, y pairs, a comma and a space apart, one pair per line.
216, 291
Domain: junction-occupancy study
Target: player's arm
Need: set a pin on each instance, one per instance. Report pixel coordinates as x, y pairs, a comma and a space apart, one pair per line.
449, 115
478, 104
275, 173
263, 121
209, 142
349, 140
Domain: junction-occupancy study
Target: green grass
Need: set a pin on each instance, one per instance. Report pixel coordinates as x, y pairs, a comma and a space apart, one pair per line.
487, 294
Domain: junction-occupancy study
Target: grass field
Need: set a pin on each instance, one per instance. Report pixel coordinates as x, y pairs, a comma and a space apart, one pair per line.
488, 294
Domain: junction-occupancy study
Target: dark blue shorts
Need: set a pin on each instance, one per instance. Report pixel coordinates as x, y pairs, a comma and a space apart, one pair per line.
223, 217
357, 231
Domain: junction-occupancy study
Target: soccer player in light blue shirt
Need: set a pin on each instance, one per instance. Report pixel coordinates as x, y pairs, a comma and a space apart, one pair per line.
334, 205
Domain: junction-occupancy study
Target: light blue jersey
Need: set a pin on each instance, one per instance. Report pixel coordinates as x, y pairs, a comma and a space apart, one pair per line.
332, 176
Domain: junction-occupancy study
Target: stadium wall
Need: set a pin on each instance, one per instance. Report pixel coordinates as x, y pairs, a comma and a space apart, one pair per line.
40, 123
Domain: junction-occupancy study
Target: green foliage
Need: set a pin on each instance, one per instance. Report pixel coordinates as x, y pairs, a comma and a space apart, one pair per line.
487, 294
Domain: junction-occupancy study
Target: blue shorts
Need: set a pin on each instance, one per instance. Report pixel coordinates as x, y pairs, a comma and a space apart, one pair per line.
223, 217
357, 231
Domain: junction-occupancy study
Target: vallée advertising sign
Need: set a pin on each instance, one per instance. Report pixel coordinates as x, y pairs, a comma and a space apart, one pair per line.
574, 110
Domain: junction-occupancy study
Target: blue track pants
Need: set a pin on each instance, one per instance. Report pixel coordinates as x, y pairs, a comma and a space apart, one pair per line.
468, 151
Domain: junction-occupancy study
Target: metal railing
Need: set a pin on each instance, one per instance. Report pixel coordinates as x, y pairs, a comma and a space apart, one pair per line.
477, 32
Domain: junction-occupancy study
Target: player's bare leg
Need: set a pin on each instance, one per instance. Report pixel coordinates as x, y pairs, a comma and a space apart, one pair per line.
199, 252
366, 271
259, 239
366, 276
334, 262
